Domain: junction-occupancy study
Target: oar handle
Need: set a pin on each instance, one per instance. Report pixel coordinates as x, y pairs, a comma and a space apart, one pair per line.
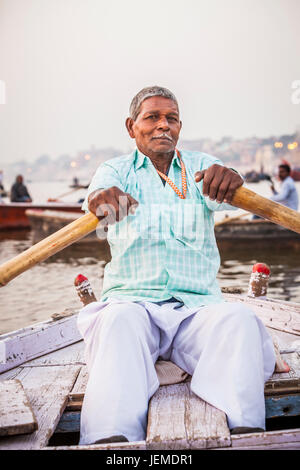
270, 210
48, 247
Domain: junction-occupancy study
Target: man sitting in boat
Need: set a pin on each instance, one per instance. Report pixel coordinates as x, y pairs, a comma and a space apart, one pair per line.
160, 295
287, 195
19, 192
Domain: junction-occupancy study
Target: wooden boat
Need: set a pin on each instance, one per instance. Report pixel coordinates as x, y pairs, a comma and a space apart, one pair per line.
46, 362
258, 229
13, 214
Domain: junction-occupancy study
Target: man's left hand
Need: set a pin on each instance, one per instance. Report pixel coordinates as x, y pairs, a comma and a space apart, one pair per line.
219, 182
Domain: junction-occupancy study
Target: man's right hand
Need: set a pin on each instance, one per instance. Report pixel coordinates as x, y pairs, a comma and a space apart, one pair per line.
111, 203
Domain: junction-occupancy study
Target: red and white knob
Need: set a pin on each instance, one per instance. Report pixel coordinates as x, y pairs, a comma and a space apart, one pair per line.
259, 280
84, 289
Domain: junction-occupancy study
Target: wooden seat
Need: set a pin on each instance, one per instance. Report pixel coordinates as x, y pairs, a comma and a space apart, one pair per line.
178, 419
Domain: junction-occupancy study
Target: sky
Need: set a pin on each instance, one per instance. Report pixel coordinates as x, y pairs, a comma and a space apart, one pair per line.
71, 68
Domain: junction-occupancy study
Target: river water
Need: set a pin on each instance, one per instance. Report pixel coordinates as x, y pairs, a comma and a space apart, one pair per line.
48, 287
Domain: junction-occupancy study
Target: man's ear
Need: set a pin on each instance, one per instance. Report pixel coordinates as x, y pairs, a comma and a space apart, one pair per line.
129, 126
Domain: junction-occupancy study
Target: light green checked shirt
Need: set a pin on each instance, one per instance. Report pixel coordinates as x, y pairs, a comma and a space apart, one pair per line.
167, 248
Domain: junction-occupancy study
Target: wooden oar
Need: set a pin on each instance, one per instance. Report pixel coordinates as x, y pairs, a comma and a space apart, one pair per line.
250, 201
243, 198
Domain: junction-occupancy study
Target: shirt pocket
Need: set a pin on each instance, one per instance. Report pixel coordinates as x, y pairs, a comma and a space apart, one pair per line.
188, 224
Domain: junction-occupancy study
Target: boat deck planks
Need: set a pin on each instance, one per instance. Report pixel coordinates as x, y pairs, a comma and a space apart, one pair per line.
16, 415
287, 439
275, 315
55, 378
47, 389
42, 338
69, 355
133, 445
78, 391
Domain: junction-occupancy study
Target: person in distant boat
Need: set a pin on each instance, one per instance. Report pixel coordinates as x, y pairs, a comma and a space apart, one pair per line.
160, 295
288, 195
2, 190
19, 192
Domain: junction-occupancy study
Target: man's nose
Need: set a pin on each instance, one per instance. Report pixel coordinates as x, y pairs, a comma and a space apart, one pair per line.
163, 124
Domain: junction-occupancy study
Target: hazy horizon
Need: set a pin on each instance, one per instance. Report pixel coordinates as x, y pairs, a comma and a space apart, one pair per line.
71, 68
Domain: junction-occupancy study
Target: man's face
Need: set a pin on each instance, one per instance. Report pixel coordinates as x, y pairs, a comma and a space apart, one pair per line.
157, 127
282, 173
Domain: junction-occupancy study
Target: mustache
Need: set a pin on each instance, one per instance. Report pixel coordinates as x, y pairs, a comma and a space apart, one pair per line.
164, 136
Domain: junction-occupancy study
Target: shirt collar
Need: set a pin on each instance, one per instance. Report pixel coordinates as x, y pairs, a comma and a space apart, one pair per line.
141, 159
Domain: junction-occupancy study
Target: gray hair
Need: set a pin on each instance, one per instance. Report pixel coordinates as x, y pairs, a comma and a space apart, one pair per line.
145, 93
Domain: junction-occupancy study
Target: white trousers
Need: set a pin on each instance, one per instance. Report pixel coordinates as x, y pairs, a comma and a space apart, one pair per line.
224, 347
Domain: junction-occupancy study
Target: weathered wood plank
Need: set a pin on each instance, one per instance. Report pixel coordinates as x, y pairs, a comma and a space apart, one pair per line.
279, 446
275, 315
78, 391
69, 355
69, 422
166, 418
47, 389
265, 438
178, 419
274, 304
16, 416
134, 445
206, 426
74, 405
279, 406
28, 343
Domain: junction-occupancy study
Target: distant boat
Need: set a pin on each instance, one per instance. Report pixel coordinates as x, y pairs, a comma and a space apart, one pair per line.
255, 177
13, 214
79, 186
254, 230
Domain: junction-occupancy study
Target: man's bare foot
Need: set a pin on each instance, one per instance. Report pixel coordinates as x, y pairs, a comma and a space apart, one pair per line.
112, 439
